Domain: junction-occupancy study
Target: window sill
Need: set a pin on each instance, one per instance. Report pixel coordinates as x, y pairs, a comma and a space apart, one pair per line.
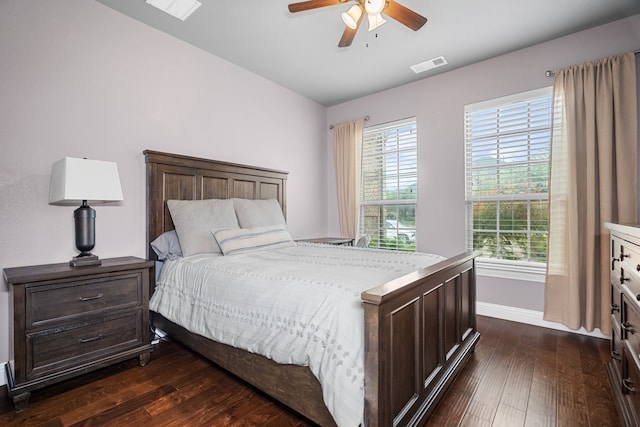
526, 271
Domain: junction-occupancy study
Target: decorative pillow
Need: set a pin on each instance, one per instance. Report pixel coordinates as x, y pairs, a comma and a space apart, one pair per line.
258, 213
250, 239
194, 218
167, 246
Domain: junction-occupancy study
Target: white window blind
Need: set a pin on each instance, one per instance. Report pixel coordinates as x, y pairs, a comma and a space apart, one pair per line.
389, 185
507, 149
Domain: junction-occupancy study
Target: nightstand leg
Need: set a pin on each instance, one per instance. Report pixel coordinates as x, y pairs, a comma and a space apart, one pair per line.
20, 401
143, 359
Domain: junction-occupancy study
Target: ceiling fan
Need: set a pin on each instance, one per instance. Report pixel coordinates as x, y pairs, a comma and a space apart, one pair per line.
372, 8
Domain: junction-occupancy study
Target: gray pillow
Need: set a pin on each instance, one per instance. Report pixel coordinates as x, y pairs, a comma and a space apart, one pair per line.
258, 213
194, 220
167, 246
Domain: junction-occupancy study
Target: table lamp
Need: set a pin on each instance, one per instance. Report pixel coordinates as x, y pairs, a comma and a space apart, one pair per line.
76, 180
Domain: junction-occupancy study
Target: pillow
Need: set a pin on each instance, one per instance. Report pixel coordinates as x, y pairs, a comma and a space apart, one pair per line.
258, 213
194, 218
234, 241
167, 246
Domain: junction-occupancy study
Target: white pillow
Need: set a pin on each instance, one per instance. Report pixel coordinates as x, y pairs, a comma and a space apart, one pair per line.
194, 218
258, 213
235, 241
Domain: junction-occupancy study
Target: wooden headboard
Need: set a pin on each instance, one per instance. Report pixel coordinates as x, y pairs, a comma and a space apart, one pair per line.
178, 177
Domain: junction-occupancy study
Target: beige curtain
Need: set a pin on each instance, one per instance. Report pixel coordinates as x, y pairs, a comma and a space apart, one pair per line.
347, 155
593, 180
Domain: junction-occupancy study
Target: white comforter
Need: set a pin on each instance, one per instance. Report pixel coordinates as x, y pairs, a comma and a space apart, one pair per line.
297, 305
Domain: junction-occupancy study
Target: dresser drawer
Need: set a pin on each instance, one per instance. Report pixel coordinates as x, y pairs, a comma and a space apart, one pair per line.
51, 302
628, 268
616, 303
53, 349
616, 352
631, 385
630, 325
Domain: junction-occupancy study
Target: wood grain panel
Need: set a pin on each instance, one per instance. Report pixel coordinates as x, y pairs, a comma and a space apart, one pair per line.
433, 347
245, 189
177, 186
269, 190
215, 187
467, 316
451, 320
405, 329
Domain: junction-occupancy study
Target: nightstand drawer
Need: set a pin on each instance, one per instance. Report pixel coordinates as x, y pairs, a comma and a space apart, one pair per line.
52, 302
51, 350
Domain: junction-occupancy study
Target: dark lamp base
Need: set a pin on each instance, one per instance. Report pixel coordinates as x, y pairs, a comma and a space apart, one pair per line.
84, 260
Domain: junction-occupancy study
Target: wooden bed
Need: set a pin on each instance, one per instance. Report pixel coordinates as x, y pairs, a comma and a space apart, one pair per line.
420, 329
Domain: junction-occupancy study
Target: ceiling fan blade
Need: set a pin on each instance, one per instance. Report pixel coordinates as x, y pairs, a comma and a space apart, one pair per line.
350, 33
404, 15
312, 4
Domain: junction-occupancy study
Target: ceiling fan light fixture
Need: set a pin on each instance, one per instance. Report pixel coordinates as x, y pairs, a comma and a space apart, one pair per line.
375, 21
352, 16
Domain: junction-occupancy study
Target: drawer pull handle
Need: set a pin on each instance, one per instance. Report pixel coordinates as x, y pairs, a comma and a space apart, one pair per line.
615, 308
613, 263
628, 327
623, 279
627, 384
86, 340
615, 355
90, 298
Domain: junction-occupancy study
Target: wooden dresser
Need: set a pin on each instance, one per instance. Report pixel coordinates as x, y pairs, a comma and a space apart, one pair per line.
70, 320
624, 366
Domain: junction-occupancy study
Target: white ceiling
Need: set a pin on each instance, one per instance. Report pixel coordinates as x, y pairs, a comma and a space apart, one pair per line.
300, 51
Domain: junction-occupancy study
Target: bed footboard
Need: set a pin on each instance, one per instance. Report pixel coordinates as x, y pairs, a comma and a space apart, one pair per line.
420, 331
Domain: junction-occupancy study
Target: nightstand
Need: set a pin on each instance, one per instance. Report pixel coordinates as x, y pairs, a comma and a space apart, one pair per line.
67, 321
330, 241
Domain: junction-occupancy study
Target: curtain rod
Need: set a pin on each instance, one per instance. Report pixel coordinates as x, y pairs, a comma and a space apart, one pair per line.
366, 119
551, 73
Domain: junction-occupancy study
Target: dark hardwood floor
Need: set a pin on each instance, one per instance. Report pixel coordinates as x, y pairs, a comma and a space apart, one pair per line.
519, 375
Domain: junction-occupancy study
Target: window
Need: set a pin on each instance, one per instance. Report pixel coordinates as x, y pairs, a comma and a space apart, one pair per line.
389, 192
507, 151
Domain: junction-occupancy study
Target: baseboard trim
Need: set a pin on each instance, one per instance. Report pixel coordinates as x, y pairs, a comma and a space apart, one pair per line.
531, 317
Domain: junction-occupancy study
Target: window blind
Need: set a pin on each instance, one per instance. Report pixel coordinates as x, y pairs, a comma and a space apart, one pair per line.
389, 184
507, 149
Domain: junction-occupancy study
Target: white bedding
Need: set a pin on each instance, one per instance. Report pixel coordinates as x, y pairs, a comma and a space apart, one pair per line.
297, 305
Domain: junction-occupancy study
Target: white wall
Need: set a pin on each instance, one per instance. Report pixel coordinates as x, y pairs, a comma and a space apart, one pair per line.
438, 103
79, 79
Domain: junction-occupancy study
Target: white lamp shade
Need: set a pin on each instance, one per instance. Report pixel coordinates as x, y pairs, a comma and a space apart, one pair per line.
352, 16
375, 21
74, 179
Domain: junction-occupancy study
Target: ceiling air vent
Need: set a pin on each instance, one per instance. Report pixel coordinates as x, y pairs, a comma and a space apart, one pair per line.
430, 64
180, 9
